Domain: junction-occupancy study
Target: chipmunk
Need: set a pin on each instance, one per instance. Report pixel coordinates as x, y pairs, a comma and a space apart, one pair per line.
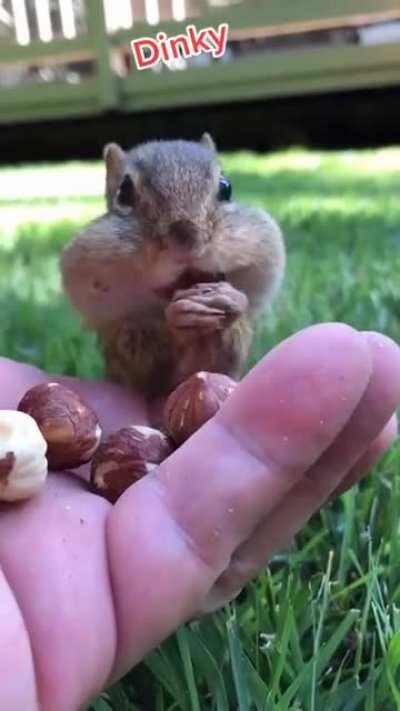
173, 276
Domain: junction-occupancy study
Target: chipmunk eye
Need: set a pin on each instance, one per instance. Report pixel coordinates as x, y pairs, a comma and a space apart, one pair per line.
225, 189
126, 192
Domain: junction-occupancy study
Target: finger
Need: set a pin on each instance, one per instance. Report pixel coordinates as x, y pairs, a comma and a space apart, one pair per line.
225, 303
180, 526
194, 291
186, 306
219, 296
199, 317
374, 410
366, 463
53, 552
275, 533
17, 676
16, 379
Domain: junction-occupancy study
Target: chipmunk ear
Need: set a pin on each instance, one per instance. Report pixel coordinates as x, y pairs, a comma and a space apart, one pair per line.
115, 160
208, 142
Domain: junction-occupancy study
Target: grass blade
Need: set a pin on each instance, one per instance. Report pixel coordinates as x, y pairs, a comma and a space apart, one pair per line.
184, 648
238, 668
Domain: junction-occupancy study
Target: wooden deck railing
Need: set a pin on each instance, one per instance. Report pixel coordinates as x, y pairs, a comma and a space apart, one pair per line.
71, 57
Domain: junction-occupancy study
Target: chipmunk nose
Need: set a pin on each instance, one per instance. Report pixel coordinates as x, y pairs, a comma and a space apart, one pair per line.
184, 232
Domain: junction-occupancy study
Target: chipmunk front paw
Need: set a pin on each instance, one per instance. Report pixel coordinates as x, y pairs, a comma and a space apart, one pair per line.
209, 307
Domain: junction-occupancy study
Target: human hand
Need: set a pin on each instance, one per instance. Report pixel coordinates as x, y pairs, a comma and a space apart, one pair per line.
87, 589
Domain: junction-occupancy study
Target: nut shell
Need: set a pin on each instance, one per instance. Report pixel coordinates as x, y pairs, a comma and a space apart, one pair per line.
70, 428
23, 464
125, 457
194, 402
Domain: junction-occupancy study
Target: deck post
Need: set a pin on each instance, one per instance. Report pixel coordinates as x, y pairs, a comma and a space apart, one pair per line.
97, 32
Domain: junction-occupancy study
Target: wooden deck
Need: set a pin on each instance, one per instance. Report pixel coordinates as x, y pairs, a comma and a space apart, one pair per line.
88, 74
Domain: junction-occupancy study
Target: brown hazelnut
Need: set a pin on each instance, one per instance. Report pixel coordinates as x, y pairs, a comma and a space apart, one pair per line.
23, 464
125, 457
194, 402
70, 428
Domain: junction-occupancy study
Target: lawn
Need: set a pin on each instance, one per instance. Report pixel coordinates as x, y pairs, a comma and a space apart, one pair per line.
319, 628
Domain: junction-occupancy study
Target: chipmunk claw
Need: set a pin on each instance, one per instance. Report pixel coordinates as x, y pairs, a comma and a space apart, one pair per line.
207, 305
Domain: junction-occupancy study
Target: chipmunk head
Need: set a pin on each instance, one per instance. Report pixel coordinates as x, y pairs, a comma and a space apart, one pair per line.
173, 189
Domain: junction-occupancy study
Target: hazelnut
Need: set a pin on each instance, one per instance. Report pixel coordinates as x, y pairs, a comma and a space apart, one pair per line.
194, 402
70, 428
125, 457
23, 464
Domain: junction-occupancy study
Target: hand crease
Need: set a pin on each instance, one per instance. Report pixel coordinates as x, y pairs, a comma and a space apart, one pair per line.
194, 548
114, 663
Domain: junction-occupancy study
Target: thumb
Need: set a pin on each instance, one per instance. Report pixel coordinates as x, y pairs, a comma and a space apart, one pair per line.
172, 535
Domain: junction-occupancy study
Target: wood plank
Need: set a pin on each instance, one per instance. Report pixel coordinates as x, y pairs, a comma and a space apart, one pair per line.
46, 94
106, 81
285, 73
48, 101
279, 74
270, 65
264, 31
277, 12
290, 74
59, 112
247, 19
253, 91
40, 52
276, 15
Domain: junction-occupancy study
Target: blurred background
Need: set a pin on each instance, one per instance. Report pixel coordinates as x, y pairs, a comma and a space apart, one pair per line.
315, 72
305, 109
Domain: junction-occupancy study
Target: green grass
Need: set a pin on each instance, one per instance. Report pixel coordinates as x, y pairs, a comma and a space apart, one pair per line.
320, 628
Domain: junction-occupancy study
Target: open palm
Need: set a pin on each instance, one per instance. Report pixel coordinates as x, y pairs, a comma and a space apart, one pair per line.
87, 589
